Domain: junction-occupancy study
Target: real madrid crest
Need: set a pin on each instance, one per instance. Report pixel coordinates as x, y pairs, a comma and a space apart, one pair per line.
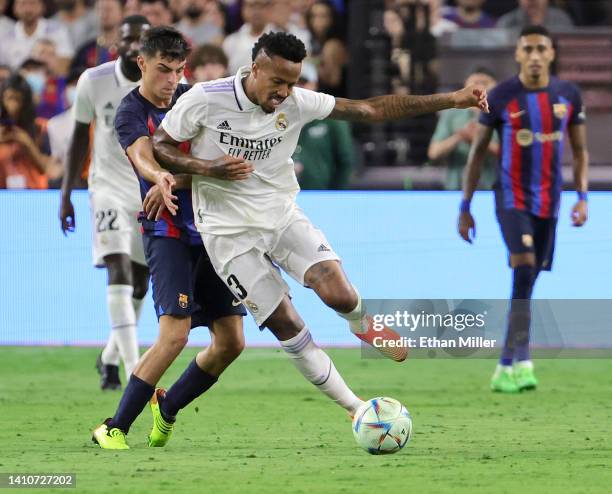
560, 110
281, 122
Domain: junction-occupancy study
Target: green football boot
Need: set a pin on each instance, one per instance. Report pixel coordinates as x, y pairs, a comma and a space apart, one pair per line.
503, 380
106, 438
162, 428
524, 376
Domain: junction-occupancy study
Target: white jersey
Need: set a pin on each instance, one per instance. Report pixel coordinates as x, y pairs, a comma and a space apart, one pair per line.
219, 119
98, 95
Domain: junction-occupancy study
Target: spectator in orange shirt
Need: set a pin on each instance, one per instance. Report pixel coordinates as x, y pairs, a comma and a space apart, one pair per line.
24, 164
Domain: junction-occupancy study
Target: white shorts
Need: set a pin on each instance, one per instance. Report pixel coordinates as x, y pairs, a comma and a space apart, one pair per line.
115, 229
249, 262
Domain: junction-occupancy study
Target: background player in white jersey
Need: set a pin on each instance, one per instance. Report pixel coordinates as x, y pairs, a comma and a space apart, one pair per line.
250, 227
114, 198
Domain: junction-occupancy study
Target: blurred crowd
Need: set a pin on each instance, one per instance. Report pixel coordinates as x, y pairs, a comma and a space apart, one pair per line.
46, 44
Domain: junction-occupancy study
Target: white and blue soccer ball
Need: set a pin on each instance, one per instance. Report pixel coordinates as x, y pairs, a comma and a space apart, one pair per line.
382, 426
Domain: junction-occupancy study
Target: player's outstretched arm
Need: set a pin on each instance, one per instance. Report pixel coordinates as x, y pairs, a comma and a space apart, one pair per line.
76, 159
167, 151
578, 141
471, 175
394, 107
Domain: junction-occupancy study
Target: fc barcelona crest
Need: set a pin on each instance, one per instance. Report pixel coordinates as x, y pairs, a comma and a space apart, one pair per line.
281, 122
560, 110
183, 300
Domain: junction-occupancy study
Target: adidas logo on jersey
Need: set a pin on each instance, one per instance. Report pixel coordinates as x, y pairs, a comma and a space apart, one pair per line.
224, 125
323, 248
108, 106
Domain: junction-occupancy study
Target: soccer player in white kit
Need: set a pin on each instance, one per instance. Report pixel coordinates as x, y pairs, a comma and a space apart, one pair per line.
114, 196
251, 226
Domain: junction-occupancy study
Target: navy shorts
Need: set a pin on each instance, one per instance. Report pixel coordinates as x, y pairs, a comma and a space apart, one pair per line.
524, 232
185, 283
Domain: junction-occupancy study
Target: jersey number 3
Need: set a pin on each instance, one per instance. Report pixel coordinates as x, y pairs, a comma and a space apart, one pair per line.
233, 282
105, 220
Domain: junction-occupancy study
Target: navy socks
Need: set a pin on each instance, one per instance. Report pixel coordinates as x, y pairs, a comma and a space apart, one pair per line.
192, 383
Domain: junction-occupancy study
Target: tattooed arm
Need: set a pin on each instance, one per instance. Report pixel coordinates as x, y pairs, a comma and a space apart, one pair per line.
393, 107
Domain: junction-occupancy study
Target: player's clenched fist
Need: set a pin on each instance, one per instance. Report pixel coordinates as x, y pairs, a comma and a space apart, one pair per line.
472, 96
229, 168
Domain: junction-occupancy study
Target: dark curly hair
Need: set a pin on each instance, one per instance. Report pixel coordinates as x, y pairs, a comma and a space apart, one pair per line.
165, 40
282, 45
27, 113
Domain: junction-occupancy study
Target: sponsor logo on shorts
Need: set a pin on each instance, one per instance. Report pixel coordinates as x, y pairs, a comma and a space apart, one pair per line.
323, 248
252, 306
183, 300
236, 302
281, 122
527, 240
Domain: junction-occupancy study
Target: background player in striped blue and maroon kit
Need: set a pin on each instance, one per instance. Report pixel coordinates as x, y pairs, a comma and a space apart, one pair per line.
531, 112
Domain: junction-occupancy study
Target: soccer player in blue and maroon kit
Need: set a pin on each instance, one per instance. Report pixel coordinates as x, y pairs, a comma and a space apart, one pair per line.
186, 290
531, 113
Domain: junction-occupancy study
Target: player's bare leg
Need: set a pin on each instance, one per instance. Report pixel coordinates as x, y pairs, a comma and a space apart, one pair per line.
226, 345
516, 344
314, 364
329, 281
172, 338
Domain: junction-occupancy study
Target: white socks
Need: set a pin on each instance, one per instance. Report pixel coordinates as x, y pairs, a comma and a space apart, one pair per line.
122, 315
317, 367
357, 317
110, 354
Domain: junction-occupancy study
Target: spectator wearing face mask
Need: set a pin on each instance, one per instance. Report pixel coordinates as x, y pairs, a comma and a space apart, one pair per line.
47, 88
79, 20
196, 24
35, 73
24, 149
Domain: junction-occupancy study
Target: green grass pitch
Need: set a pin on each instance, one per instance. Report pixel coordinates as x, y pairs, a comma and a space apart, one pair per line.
262, 428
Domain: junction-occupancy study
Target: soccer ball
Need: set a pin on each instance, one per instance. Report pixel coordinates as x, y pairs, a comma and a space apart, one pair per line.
382, 426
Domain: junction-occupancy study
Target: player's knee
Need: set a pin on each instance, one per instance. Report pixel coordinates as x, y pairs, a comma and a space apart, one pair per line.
140, 277
523, 281
284, 322
342, 298
174, 333
118, 267
140, 289
176, 342
228, 349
